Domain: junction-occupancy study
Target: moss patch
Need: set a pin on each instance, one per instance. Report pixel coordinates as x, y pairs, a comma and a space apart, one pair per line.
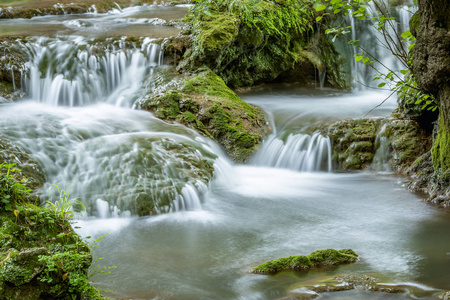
316, 259
441, 147
205, 103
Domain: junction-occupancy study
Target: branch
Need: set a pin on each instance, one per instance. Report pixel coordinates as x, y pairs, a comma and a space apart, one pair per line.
390, 95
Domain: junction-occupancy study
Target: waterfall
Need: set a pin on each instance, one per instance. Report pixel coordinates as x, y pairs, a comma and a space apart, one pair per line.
74, 73
372, 40
299, 152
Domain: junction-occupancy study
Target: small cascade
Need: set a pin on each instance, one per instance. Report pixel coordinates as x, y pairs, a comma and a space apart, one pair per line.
380, 162
299, 152
74, 73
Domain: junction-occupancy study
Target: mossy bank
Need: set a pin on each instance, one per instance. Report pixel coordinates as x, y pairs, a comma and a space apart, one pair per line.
41, 257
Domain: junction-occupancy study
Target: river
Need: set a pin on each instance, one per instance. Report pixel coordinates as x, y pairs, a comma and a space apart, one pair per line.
272, 207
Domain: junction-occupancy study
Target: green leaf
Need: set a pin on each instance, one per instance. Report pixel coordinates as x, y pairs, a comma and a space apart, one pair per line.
406, 35
318, 18
404, 71
321, 7
382, 84
358, 58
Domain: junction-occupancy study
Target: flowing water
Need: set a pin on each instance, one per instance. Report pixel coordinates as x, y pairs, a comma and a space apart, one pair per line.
77, 121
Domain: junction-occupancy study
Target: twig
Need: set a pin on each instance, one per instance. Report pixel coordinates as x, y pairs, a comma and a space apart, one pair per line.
380, 103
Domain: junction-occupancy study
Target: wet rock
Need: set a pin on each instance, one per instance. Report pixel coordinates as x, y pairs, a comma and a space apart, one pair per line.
203, 102
316, 259
353, 143
445, 296
394, 142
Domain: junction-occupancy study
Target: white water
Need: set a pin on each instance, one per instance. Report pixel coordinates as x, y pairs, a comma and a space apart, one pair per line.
69, 72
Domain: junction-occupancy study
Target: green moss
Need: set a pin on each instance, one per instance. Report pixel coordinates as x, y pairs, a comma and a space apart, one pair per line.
316, 259
441, 146
414, 23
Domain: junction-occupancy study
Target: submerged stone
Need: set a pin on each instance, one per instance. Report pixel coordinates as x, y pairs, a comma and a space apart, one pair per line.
316, 259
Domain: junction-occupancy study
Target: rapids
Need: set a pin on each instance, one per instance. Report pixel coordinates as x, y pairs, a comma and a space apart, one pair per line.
77, 120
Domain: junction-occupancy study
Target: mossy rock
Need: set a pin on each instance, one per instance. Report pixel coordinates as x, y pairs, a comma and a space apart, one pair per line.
203, 102
252, 42
353, 143
316, 259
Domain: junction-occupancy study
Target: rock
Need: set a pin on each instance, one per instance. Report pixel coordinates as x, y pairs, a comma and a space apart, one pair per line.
203, 102
316, 259
355, 143
445, 296
245, 48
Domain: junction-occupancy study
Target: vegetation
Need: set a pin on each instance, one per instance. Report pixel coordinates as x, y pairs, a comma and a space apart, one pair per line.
316, 259
379, 17
40, 254
247, 42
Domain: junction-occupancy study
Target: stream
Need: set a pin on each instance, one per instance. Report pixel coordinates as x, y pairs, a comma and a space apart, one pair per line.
286, 201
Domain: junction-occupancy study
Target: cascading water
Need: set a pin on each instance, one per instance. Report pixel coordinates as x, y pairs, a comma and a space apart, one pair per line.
300, 152
72, 73
104, 153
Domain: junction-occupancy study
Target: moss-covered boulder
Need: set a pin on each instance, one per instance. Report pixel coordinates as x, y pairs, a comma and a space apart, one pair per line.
203, 102
353, 143
164, 167
251, 42
316, 259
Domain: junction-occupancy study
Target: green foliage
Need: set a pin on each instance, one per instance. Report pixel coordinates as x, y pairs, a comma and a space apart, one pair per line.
64, 206
12, 191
